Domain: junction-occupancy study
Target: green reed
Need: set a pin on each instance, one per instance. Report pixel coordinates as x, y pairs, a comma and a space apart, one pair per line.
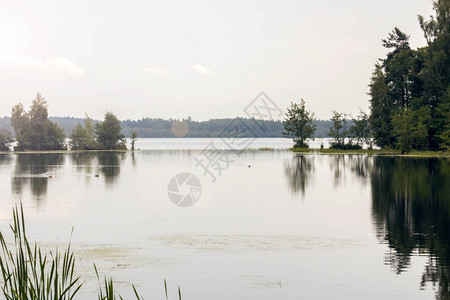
30, 274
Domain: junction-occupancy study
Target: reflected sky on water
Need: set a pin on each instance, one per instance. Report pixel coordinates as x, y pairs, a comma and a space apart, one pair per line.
274, 225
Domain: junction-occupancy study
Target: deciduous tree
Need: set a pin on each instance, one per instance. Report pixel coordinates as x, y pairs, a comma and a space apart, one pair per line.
5, 140
133, 139
361, 130
298, 124
83, 138
109, 134
339, 130
34, 131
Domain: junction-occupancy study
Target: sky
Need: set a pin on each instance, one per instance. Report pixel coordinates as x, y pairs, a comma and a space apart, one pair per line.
203, 59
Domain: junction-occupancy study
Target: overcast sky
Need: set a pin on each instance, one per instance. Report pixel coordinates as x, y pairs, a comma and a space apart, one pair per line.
204, 59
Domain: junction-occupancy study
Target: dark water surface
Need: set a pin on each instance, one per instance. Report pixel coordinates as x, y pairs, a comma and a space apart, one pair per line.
287, 227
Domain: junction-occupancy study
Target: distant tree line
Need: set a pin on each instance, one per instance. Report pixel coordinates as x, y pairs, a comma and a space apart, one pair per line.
161, 128
409, 109
34, 130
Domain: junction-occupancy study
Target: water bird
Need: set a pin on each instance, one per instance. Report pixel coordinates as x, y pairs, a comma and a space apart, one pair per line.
50, 176
249, 166
97, 175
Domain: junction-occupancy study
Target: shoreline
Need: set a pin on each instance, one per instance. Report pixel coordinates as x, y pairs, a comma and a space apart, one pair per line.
60, 151
380, 152
309, 151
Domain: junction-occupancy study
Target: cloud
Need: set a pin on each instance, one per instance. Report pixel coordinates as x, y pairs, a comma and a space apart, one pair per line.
12, 66
199, 69
156, 71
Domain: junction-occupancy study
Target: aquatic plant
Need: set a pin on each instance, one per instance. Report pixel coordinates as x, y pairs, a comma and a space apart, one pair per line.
28, 273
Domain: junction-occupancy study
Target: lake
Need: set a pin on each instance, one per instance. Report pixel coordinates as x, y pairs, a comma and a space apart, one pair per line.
256, 224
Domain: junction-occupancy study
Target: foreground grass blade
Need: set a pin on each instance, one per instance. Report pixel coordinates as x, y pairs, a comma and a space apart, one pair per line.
29, 274
165, 288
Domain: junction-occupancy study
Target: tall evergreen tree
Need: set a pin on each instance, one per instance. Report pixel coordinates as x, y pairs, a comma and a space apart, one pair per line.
436, 71
412, 86
381, 107
398, 68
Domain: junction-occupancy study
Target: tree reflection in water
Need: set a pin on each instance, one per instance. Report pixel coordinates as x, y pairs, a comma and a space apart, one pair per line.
109, 164
83, 161
34, 170
359, 164
299, 171
5, 159
411, 210
105, 163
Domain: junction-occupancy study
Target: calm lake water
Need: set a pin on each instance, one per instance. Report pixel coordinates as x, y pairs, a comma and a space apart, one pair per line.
289, 226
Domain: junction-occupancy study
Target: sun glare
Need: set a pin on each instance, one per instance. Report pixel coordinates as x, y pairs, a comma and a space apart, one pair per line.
12, 35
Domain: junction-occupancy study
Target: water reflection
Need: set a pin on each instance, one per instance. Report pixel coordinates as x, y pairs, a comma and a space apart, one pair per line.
337, 164
83, 161
409, 197
361, 165
109, 163
35, 170
5, 159
410, 207
104, 164
411, 210
133, 159
298, 171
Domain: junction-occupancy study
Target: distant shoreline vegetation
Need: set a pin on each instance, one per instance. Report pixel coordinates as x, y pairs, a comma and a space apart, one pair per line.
409, 94
34, 131
376, 152
409, 97
161, 128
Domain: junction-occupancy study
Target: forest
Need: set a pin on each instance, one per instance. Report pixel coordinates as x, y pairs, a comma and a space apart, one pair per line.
409, 94
161, 128
409, 88
409, 97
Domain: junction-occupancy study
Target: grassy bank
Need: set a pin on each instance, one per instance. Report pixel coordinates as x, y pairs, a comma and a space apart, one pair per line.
59, 151
387, 152
326, 151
